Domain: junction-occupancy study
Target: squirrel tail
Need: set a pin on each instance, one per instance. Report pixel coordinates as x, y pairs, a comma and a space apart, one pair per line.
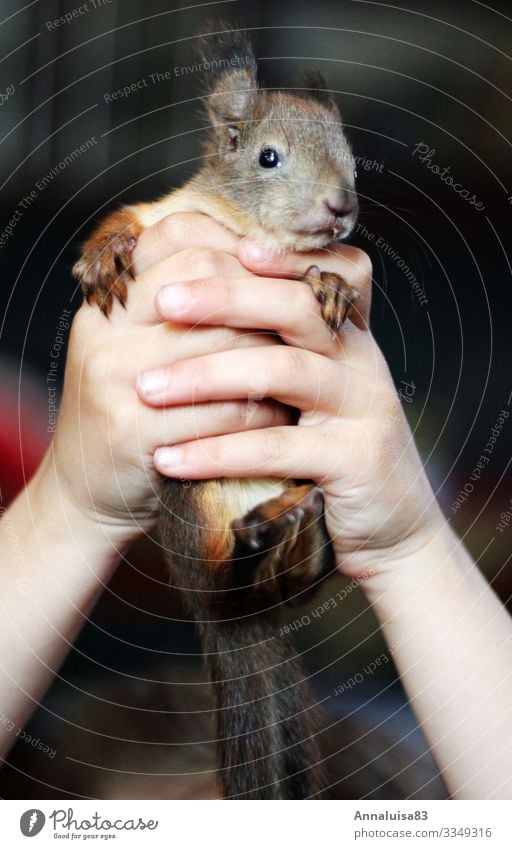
265, 717
236, 584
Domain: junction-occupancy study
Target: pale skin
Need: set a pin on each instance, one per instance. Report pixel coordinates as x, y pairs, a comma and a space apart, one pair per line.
96, 490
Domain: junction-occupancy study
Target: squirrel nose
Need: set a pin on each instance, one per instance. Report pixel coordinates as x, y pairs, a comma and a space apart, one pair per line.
339, 206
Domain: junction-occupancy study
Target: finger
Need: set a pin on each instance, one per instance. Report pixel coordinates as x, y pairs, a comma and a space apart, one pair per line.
166, 344
293, 376
187, 264
283, 452
181, 230
349, 262
287, 307
182, 424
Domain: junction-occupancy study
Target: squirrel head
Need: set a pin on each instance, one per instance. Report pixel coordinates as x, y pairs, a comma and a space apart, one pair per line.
280, 161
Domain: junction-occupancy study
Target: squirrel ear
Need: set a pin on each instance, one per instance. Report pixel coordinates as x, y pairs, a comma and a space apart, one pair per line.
227, 55
314, 86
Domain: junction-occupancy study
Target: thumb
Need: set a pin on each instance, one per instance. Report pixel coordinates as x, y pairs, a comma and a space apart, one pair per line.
349, 262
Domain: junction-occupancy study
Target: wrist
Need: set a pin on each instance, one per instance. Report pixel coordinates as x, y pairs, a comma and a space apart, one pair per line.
420, 567
61, 516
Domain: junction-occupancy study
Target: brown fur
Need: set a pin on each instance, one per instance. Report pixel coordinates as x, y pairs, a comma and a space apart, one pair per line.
104, 270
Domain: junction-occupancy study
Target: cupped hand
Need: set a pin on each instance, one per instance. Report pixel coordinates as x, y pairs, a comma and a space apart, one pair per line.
351, 438
101, 458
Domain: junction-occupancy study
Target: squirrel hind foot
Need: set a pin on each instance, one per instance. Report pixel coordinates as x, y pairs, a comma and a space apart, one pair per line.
287, 537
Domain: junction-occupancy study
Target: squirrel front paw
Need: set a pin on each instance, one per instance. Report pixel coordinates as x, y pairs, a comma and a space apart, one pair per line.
335, 296
105, 267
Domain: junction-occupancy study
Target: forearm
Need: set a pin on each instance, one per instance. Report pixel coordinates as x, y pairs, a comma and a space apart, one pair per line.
451, 640
54, 566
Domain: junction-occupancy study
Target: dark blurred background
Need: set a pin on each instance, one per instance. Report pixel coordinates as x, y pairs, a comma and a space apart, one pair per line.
427, 80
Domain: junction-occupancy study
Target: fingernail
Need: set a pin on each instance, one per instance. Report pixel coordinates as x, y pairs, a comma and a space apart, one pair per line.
256, 252
173, 298
168, 457
152, 382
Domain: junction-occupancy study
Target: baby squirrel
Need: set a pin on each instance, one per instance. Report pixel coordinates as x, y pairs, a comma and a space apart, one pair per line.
277, 168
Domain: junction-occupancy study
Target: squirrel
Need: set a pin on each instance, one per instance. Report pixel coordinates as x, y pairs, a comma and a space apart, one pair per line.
278, 168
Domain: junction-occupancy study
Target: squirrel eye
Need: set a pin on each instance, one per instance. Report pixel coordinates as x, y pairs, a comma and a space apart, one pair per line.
269, 158
355, 174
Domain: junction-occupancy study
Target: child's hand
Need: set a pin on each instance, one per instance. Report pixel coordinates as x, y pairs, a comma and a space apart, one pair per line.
101, 459
352, 437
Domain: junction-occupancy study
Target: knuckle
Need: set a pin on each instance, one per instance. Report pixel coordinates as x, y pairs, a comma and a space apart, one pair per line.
205, 271
220, 454
183, 258
274, 444
212, 263
194, 264
94, 369
180, 229
292, 361
165, 229
173, 229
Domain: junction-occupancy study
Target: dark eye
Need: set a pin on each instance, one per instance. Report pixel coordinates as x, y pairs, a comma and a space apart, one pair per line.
269, 158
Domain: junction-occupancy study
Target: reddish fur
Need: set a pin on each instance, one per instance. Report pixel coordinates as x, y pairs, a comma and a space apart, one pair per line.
104, 268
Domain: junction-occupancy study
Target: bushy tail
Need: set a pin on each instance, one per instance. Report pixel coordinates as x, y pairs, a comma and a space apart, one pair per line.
236, 584
265, 713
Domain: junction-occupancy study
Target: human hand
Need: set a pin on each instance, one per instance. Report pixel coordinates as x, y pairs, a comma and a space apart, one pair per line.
101, 459
352, 437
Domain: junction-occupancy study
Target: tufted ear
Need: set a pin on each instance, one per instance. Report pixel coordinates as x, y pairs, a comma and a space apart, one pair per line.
314, 85
227, 55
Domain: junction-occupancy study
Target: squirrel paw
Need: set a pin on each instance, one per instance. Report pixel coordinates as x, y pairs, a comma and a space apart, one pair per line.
277, 520
284, 540
104, 269
334, 295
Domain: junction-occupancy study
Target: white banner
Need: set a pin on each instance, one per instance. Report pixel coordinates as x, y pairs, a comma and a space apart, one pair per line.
240, 825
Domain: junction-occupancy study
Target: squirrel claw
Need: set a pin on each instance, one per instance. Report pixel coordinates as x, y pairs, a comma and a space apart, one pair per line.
105, 268
335, 296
